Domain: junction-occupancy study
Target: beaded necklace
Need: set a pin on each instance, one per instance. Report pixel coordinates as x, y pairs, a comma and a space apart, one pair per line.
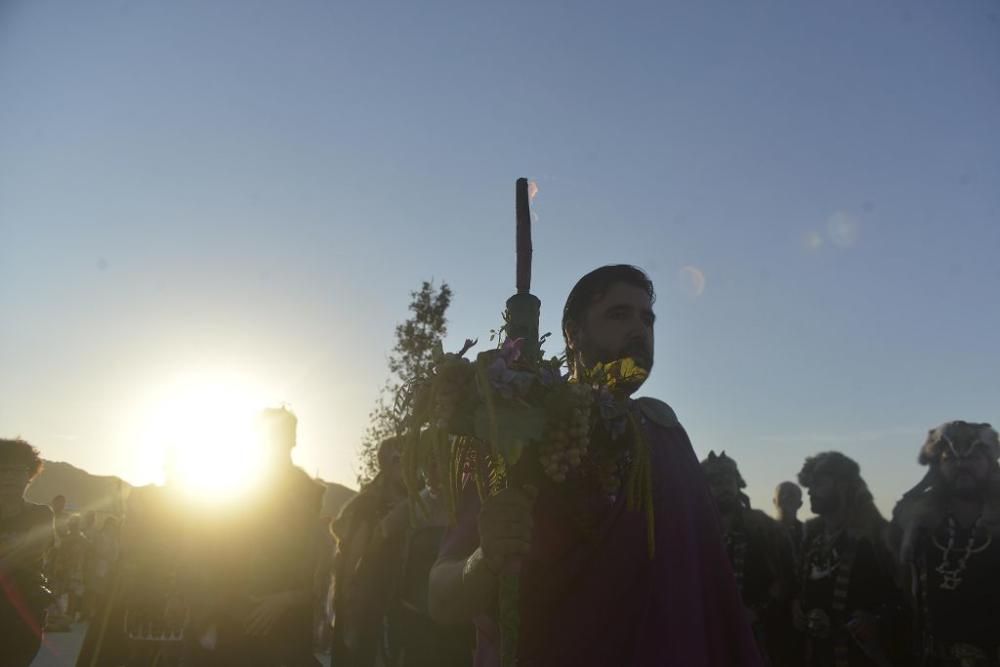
951, 574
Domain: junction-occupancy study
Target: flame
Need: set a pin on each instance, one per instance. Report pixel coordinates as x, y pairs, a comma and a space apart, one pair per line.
532, 190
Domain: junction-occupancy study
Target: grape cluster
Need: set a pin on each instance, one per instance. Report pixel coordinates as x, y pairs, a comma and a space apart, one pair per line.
567, 436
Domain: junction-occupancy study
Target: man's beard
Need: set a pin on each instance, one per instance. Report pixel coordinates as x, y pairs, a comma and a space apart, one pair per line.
637, 350
821, 505
965, 487
640, 353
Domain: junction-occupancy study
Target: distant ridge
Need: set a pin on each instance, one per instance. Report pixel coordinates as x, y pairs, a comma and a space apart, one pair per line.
106, 494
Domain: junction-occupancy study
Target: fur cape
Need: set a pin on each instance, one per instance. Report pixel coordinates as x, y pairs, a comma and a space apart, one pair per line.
922, 512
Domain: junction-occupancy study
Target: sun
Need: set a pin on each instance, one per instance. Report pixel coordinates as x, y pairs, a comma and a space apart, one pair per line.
200, 433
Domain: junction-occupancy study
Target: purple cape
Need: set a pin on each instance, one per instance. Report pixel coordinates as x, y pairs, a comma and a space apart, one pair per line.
602, 601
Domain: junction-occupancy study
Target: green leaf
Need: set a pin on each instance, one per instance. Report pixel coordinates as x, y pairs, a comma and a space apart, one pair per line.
516, 426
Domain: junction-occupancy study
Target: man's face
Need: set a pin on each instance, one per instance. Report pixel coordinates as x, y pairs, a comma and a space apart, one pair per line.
619, 324
824, 496
789, 499
13, 482
725, 489
968, 476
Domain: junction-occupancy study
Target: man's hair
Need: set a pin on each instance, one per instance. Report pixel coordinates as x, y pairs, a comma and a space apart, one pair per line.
19, 452
839, 466
592, 287
787, 486
863, 517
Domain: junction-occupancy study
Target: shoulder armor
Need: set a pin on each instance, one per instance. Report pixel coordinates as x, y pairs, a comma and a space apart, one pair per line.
658, 412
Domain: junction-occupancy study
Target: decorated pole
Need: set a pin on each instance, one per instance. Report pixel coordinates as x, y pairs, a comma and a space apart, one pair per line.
522, 322
523, 308
510, 418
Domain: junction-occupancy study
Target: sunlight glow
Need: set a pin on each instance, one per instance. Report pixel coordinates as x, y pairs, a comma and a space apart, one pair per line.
200, 433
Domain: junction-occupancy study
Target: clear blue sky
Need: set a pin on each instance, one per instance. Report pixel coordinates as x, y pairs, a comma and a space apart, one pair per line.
255, 187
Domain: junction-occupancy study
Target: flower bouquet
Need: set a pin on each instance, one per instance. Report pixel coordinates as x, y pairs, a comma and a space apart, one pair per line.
508, 418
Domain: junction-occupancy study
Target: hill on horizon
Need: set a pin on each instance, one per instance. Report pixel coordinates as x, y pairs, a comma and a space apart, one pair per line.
106, 494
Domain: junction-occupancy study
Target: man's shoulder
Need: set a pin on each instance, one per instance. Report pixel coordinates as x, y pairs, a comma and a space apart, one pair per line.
308, 489
658, 412
759, 520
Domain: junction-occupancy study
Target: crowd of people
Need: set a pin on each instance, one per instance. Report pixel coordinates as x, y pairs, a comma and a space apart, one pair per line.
399, 579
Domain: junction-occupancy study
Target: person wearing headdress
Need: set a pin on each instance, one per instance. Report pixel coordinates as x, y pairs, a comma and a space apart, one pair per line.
849, 607
946, 534
761, 556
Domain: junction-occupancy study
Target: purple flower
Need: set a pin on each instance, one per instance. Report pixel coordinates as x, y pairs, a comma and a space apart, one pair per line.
549, 376
505, 380
511, 349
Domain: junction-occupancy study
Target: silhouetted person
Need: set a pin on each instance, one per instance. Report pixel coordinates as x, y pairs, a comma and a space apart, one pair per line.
849, 606
268, 560
761, 555
26, 531
407, 542
142, 617
591, 591
56, 619
104, 555
71, 561
90, 530
946, 533
59, 513
787, 503
360, 586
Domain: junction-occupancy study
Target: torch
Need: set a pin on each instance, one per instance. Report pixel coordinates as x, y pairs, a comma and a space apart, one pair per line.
523, 308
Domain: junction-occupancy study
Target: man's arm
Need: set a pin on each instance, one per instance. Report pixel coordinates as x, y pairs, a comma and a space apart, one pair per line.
461, 586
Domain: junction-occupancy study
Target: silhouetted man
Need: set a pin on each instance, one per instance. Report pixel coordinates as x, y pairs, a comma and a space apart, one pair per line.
761, 555
361, 586
26, 531
848, 605
267, 621
407, 542
946, 533
787, 502
597, 597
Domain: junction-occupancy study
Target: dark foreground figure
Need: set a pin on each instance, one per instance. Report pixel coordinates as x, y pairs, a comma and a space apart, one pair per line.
226, 587
849, 609
26, 531
946, 532
760, 552
590, 593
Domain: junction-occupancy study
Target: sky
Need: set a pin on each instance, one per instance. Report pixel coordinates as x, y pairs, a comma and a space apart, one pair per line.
250, 191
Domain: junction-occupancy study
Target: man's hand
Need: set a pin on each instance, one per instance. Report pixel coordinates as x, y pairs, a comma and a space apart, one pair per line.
505, 527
